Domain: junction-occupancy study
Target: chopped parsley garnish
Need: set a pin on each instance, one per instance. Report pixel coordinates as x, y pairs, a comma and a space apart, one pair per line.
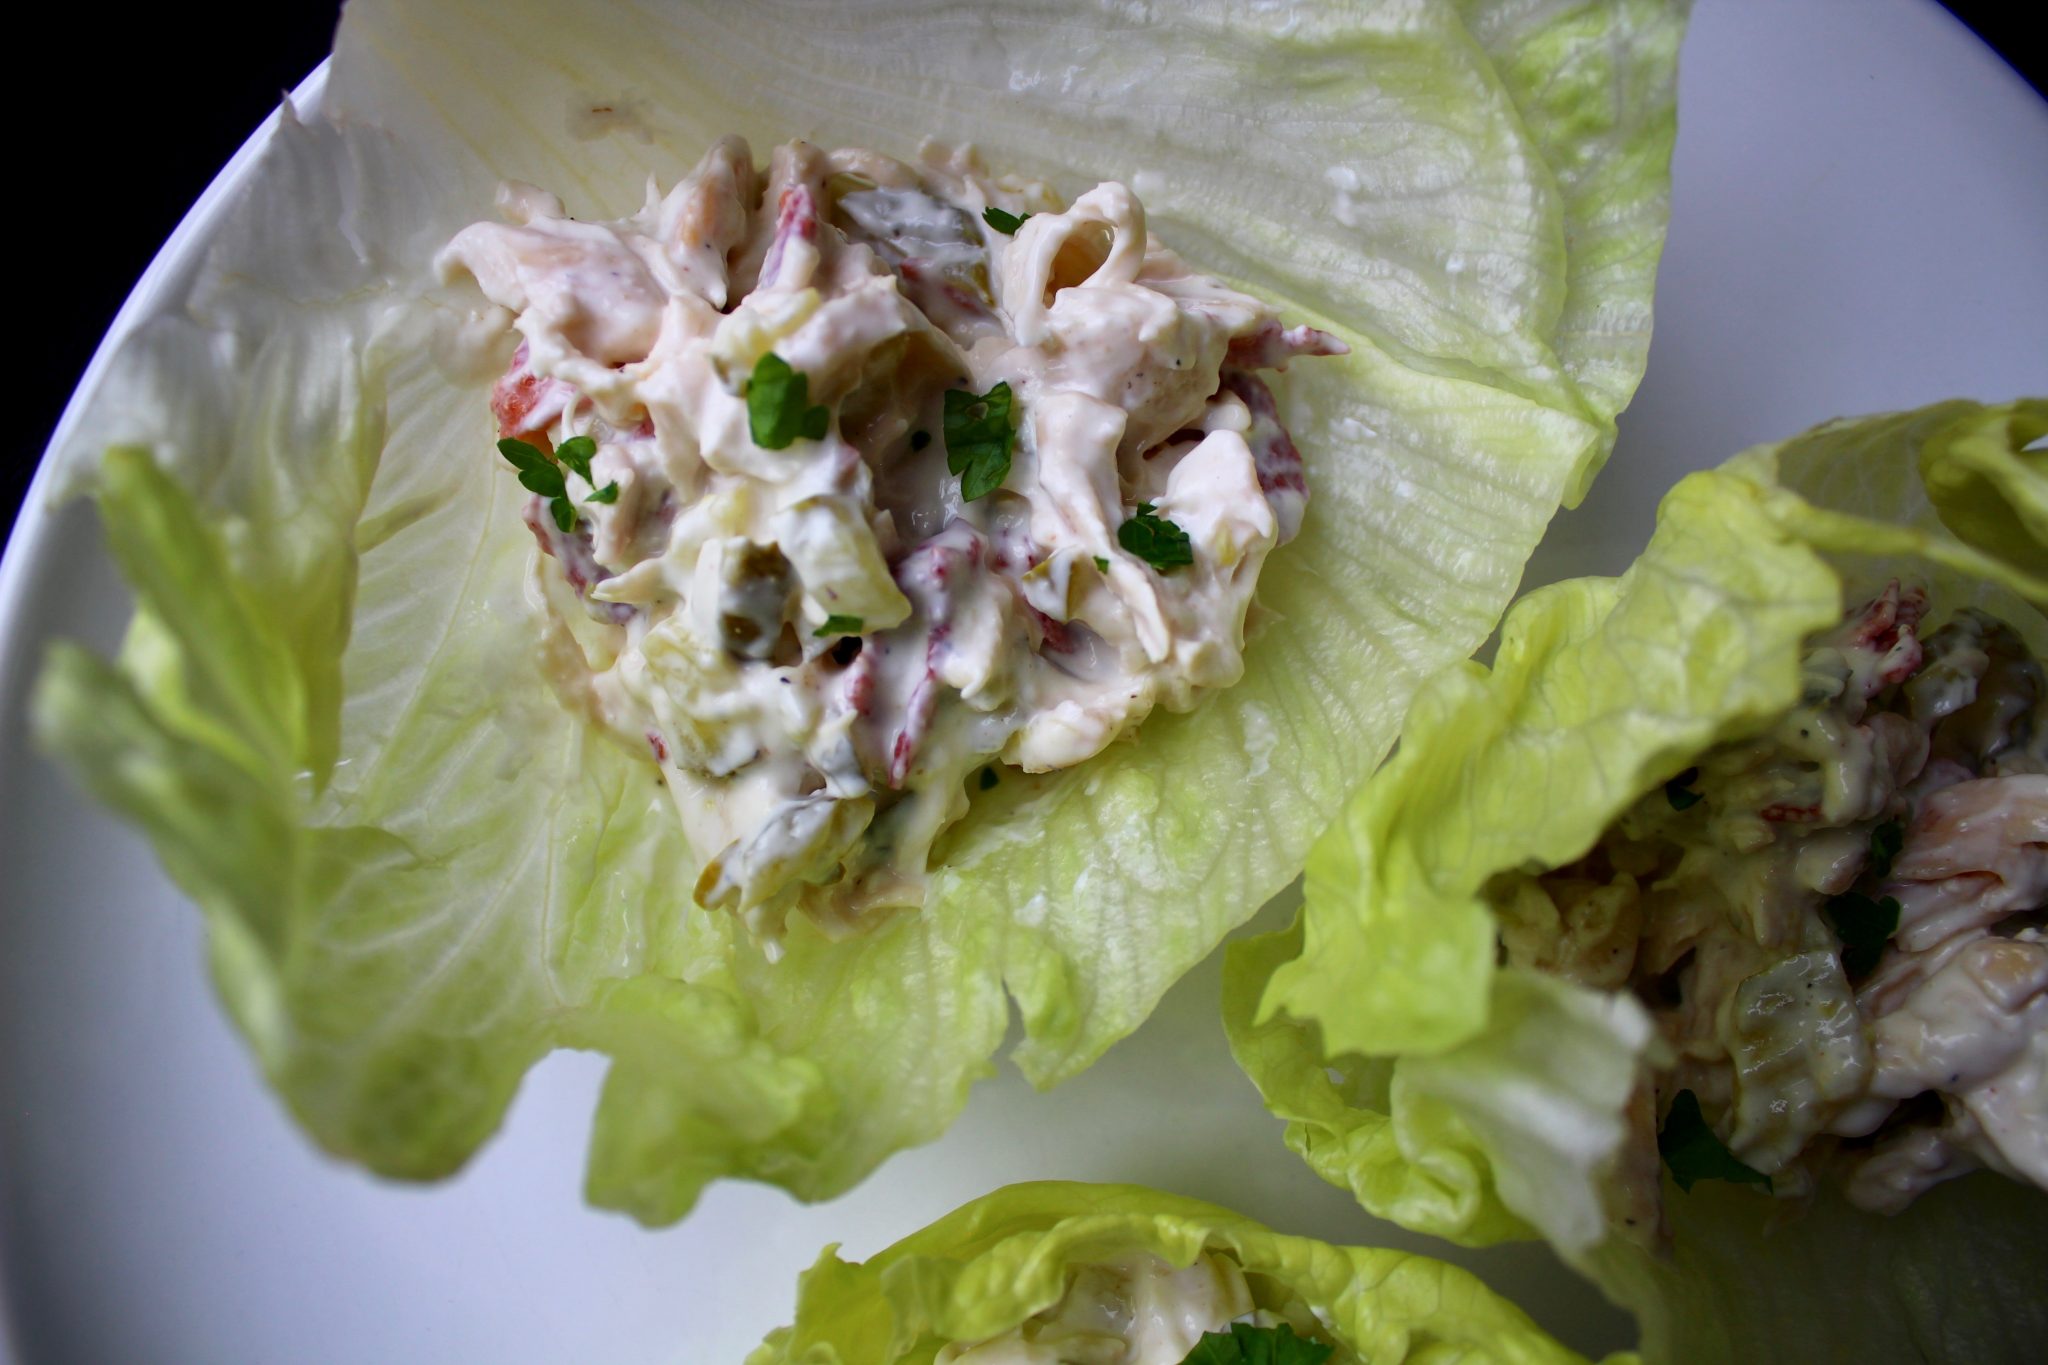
978, 439
1245, 1344
779, 406
539, 474
987, 779
1885, 842
1101, 564
575, 453
835, 624
1864, 926
1155, 540
1678, 791
1005, 223
1693, 1153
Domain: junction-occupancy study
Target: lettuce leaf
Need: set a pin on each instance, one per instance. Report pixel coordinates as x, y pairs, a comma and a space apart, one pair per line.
422, 874
1463, 1098
983, 1269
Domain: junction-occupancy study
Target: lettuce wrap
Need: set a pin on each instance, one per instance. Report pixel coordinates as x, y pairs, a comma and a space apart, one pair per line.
985, 1269
421, 874
1481, 1101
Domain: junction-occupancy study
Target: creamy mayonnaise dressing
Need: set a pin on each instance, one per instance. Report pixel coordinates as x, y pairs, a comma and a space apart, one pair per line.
1131, 1310
824, 643
1727, 901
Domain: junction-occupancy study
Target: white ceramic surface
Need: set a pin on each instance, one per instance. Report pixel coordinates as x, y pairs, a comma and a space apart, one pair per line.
1858, 224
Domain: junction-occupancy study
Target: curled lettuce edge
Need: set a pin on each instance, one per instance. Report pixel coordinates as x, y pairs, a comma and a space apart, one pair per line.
986, 1267
1481, 1102
420, 874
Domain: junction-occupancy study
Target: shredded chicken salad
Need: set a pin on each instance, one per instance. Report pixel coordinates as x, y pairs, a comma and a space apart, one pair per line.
1139, 1310
855, 478
1837, 925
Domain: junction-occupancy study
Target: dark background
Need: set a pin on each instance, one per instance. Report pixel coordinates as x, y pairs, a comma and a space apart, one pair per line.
112, 197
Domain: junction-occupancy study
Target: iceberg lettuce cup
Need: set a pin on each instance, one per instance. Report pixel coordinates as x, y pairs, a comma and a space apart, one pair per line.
421, 872
1701, 934
1120, 1274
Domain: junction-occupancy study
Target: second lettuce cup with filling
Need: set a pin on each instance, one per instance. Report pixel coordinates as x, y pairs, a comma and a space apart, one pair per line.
1703, 933
1051, 1273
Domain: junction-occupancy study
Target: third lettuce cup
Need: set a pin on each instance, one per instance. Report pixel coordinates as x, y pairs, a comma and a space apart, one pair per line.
1122, 1275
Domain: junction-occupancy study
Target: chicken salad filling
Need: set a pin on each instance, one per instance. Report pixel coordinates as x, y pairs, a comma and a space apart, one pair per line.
1140, 1310
854, 478
1836, 925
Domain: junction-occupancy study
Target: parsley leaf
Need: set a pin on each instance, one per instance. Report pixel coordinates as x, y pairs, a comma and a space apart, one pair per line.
1864, 926
1003, 222
1155, 540
575, 453
1248, 1345
539, 474
1693, 1153
1101, 564
1885, 842
978, 439
1678, 791
779, 406
835, 624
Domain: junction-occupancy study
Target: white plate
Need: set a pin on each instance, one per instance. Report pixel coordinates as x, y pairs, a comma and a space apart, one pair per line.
1858, 224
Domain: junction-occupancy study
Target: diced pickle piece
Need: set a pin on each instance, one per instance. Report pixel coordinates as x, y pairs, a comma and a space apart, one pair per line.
753, 601
900, 223
933, 247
